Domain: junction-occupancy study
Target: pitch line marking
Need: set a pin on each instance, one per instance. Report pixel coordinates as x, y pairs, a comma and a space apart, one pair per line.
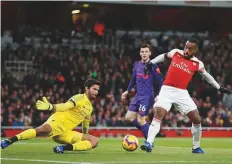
105, 162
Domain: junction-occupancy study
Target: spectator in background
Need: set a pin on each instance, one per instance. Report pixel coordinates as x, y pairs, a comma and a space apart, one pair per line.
30, 79
227, 99
99, 29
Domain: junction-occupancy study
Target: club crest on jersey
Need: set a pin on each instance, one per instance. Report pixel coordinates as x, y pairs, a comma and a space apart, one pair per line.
157, 70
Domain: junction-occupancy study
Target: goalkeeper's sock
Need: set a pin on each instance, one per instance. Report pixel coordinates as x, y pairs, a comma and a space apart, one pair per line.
136, 124
154, 129
27, 134
13, 139
144, 129
196, 132
82, 145
68, 147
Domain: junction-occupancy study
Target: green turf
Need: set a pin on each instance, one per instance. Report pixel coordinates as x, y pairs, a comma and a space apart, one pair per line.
167, 150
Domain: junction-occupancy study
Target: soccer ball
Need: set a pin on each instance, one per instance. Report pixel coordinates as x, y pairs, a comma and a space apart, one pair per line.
130, 143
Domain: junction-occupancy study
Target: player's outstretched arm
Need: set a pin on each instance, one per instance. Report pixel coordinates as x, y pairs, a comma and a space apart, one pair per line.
213, 82
224, 90
45, 105
160, 58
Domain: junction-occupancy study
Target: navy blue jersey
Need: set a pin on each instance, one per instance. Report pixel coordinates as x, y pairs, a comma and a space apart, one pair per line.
146, 85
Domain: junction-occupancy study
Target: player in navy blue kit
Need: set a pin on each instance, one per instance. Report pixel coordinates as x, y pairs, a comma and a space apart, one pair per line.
145, 90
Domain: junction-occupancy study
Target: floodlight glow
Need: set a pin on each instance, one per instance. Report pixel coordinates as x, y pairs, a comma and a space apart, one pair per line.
85, 5
76, 11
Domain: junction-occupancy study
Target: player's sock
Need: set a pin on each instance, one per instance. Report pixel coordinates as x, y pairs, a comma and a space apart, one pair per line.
196, 132
68, 147
27, 134
144, 128
82, 145
154, 129
135, 123
13, 139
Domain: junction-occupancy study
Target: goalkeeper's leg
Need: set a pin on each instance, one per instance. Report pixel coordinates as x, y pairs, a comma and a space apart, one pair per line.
75, 141
43, 130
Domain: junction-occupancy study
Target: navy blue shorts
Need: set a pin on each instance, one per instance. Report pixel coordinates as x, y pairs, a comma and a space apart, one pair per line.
141, 104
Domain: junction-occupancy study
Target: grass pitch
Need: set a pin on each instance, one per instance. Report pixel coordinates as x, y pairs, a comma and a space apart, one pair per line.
110, 151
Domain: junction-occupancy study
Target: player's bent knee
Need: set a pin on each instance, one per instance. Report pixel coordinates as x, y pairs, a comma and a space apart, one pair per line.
129, 118
94, 142
43, 130
160, 113
141, 120
194, 117
197, 120
92, 139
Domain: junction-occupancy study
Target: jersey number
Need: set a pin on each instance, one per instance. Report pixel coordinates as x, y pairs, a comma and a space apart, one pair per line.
142, 108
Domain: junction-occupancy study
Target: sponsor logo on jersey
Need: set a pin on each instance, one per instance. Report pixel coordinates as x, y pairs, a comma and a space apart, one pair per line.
182, 66
140, 75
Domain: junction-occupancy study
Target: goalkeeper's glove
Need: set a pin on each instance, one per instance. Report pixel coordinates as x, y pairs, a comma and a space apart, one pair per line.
43, 105
148, 67
224, 90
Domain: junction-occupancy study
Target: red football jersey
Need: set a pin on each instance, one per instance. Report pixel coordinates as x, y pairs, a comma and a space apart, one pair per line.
181, 70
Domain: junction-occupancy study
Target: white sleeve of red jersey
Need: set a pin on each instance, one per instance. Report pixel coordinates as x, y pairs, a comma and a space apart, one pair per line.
201, 67
161, 58
207, 76
158, 59
172, 52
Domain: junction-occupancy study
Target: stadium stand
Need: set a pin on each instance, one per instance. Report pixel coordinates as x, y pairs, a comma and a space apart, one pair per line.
39, 61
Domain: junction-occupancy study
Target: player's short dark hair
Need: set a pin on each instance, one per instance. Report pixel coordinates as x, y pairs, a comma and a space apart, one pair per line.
146, 46
90, 82
193, 40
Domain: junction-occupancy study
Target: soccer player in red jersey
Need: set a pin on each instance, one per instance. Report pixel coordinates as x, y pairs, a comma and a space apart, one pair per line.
183, 66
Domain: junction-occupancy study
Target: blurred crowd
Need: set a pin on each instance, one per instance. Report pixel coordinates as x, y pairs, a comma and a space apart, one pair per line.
62, 71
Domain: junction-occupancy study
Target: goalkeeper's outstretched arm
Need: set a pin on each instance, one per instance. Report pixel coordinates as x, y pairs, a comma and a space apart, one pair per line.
63, 106
45, 105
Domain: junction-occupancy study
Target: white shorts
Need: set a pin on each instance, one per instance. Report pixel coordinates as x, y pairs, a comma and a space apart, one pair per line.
180, 98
